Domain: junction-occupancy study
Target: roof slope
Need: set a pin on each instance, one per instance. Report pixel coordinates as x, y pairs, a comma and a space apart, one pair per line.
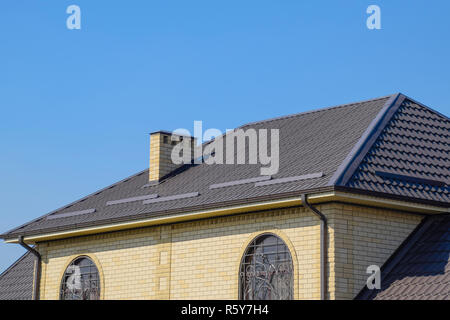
332, 141
16, 282
420, 269
309, 142
410, 157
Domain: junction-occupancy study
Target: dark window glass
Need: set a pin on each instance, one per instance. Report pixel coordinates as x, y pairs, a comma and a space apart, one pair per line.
266, 271
81, 281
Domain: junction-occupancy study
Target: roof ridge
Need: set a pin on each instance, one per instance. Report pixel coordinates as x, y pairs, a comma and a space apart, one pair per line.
205, 143
367, 140
293, 115
428, 108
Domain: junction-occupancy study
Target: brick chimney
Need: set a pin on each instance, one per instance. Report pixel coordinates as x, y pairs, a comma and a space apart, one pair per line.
161, 146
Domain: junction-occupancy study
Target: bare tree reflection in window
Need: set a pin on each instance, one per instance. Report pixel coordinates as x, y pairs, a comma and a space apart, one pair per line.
266, 271
81, 281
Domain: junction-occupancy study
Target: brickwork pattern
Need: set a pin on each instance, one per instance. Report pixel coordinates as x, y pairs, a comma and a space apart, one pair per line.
363, 237
200, 259
161, 155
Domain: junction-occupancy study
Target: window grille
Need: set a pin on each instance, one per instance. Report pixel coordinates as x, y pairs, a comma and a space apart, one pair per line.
81, 281
266, 271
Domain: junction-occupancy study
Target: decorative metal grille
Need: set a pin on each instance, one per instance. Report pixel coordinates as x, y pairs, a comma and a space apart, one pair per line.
81, 281
266, 271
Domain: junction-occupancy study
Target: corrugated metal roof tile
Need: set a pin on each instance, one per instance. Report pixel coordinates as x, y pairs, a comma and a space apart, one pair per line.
16, 282
422, 272
310, 142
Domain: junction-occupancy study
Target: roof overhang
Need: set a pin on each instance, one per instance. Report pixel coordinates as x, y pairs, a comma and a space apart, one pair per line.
314, 198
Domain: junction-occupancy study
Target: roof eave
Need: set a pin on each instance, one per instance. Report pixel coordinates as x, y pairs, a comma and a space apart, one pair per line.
317, 195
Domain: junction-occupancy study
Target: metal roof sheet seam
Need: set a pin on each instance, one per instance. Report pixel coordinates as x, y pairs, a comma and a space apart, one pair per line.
70, 214
132, 199
174, 197
239, 182
290, 179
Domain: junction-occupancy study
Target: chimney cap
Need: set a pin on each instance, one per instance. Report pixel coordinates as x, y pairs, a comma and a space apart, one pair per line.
171, 133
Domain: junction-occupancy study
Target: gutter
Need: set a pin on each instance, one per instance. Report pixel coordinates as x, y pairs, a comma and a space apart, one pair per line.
320, 195
168, 219
323, 246
37, 270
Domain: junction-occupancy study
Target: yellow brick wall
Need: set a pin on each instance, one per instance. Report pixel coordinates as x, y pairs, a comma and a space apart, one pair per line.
200, 260
206, 254
362, 237
128, 262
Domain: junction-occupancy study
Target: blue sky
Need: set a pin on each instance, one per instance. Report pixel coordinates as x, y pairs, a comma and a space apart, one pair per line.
77, 105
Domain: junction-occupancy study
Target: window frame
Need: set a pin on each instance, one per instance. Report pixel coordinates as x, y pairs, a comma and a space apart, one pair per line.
94, 263
251, 245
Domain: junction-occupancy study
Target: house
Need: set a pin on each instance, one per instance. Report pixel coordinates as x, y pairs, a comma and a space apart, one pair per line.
359, 185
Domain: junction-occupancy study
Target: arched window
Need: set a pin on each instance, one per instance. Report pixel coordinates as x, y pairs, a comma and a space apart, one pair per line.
81, 281
266, 271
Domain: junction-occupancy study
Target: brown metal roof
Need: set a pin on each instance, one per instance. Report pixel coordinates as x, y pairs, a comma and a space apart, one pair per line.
16, 282
411, 156
347, 144
420, 269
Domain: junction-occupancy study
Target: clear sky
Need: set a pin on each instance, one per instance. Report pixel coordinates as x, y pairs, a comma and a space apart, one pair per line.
77, 105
